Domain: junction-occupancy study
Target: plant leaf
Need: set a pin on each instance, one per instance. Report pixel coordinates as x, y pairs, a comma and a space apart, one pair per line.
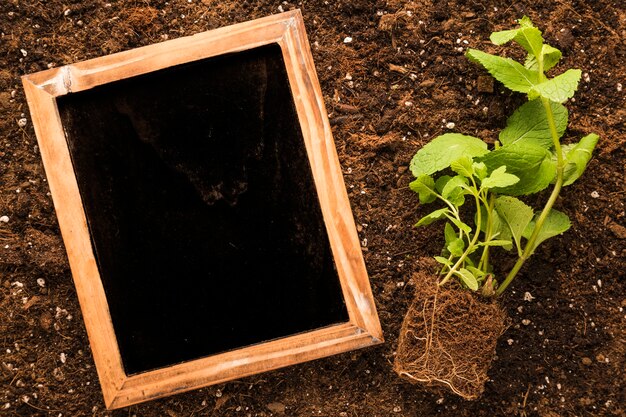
527, 35
443, 261
516, 215
449, 234
551, 57
456, 247
468, 278
424, 185
499, 178
495, 242
532, 164
432, 217
476, 272
578, 157
480, 169
441, 182
555, 224
460, 225
529, 123
559, 88
463, 166
511, 73
440, 152
453, 190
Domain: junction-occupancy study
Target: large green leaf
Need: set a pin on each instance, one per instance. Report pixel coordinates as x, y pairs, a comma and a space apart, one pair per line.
559, 88
555, 224
511, 73
516, 215
529, 123
499, 178
424, 185
532, 164
577, 158
440, 152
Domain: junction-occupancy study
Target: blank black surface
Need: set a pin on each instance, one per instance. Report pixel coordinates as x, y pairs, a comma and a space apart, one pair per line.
203, 214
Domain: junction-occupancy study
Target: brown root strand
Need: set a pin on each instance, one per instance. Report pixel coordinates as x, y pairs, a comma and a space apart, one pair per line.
448, 338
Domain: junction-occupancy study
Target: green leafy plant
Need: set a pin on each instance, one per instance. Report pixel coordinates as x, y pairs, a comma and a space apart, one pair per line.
527, 158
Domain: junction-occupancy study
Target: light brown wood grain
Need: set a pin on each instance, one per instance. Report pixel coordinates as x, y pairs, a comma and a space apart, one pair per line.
363, 328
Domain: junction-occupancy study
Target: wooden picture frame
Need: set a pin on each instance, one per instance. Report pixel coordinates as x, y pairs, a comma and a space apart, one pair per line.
363, 327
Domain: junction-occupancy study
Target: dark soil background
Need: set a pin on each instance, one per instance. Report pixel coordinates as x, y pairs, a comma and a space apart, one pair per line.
399, 82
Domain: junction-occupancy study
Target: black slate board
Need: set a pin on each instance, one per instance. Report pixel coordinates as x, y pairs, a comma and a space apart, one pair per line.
202, 209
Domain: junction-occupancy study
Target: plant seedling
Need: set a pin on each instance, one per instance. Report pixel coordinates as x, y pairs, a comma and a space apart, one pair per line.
527, 158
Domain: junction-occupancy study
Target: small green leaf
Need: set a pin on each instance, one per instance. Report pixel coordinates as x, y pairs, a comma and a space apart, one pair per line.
432, 217
440, 152
559, 88
516, 215
463, 166
476, 272
551, 57
450, 234
460, 225
456, 247
441, 182
443, 261
495, 242
424, 185
529, 123
468, 278
555, 224
532, 164
528, 36
499, 178
454, 190
578, 157
480, 169
511, 73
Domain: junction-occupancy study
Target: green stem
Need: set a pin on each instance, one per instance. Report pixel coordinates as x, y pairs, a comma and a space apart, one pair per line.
484, 259
530, 244
470, 246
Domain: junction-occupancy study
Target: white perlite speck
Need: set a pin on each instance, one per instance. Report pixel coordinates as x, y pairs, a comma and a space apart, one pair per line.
347, 39
22, 122
63, 357
450, 125
528, 296
595, 194
41, 282
4, 219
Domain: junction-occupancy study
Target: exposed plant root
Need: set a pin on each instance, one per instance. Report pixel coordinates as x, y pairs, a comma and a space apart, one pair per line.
448, 338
